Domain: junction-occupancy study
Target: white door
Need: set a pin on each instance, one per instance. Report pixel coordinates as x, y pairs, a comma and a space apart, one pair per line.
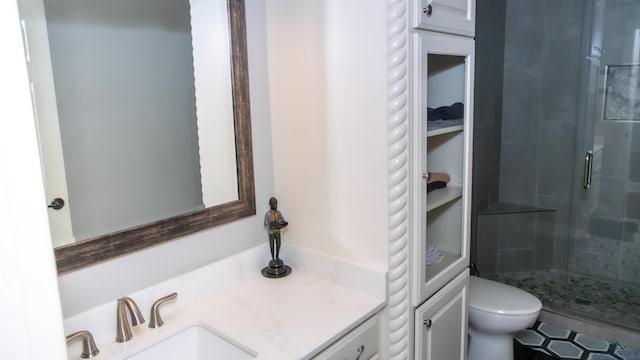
34, 29
444, 68
441, 323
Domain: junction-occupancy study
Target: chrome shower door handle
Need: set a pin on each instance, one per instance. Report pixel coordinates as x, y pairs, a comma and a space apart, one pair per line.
588, 167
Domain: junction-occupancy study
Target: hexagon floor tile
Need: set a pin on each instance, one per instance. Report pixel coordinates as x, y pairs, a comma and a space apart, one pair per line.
565, 344
565, 349
530, 337
553, 332
590, 343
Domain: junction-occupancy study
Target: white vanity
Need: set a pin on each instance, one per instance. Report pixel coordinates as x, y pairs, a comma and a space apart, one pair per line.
327, 308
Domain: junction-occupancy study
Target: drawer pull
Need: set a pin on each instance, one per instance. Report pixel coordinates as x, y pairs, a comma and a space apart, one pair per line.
428, 10
360, 351
427, 323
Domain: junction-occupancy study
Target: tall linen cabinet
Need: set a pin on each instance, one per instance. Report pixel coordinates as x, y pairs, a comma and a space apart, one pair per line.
441, 128
349, 165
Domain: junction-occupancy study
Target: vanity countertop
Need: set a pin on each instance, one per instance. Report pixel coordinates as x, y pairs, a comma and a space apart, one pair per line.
288, 318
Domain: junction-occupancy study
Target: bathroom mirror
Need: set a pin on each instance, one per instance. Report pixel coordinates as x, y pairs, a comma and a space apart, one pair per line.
171, 77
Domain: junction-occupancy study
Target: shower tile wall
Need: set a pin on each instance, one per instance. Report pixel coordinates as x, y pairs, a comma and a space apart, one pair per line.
541, 79
516, 242
490, 17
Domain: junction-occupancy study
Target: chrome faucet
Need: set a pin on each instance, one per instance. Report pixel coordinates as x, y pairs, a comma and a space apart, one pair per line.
89, 348
124, 329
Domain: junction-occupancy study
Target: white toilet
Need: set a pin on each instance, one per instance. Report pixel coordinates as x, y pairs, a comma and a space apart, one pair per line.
496, 312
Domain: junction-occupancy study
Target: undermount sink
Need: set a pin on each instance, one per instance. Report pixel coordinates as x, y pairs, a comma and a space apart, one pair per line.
193, 343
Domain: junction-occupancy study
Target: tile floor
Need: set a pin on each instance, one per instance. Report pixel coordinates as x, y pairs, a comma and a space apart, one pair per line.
552, 342
522, 352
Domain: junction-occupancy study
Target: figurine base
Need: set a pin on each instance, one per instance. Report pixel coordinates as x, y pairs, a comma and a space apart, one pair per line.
276, 269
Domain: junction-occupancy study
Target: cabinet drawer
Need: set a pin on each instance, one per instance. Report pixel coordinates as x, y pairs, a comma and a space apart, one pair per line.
361, 344
448, 16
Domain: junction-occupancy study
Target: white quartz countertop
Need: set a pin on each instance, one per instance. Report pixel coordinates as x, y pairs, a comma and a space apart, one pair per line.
288, 318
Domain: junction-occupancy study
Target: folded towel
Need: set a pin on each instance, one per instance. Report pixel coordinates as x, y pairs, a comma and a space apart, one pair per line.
435, 176
455, 111
436, 185
433, 256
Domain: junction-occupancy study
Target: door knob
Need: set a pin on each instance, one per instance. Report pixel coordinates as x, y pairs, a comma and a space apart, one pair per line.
56, 204
428, 10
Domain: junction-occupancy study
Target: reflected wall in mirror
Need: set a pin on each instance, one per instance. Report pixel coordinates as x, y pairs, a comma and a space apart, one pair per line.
143, 119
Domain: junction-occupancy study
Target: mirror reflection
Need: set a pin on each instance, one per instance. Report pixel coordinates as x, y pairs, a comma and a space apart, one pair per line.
136, 123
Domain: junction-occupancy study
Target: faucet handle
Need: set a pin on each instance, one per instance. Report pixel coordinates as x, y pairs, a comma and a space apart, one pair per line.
89, 348
156, 320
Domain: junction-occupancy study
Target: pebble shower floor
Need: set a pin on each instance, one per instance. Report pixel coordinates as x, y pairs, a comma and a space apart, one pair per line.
598, 299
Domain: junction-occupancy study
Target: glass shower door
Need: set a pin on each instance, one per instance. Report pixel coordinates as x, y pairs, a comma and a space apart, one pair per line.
604, 274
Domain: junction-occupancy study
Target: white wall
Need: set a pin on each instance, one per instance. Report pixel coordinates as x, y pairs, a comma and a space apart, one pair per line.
328, 82
88, 287
31, 324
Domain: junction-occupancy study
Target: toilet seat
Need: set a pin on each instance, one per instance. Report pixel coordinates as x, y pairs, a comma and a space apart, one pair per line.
497, 298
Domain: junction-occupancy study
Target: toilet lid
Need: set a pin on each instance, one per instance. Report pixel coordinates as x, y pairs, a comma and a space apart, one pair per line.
494, 297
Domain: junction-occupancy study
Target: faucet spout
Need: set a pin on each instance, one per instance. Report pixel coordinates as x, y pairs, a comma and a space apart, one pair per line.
123, 328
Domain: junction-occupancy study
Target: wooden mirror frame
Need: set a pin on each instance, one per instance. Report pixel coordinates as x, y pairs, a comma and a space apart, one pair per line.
87, 252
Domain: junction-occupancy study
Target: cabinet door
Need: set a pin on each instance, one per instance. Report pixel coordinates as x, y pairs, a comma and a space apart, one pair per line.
450, 16
442, 128
441, 323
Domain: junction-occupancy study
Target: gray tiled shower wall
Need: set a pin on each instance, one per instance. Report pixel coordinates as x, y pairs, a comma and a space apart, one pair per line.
535, 128
516, 242
540, 113
490, 17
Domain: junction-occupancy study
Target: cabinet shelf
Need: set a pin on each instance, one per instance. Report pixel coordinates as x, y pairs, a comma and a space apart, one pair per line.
439, 197
448, 258
441, 130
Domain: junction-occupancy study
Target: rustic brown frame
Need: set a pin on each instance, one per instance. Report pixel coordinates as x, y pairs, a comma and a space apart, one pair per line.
77, 255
